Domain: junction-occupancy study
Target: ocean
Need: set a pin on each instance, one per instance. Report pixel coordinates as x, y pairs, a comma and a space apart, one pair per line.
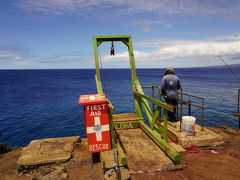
37, 104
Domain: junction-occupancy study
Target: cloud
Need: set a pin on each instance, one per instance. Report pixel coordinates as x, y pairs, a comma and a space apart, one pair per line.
17, 56
71, 57
147, 15
173, 49
158, 7
148, 53
14, 54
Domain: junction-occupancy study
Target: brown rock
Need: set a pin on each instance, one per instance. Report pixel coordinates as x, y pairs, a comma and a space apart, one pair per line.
45, 151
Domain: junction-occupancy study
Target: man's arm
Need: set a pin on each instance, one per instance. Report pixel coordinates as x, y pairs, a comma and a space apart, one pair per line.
179, 85
163, 86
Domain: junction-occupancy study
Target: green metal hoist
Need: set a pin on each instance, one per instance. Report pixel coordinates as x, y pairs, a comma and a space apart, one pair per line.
141, 101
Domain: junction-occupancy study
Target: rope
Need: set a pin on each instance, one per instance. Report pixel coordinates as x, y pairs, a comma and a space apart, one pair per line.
101, 76
112, 51
213, 49
192, 148
115, 165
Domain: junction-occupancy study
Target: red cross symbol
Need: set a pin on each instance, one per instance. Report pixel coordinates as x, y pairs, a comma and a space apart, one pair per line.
98, 128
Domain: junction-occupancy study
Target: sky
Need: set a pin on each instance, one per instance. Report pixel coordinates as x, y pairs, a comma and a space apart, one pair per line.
57, 34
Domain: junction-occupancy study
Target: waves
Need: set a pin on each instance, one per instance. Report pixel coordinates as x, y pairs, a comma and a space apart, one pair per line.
38, 104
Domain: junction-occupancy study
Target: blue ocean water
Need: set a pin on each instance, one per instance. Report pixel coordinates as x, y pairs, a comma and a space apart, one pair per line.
38, 104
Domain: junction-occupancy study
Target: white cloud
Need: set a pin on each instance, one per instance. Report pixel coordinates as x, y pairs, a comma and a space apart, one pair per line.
158, 7
148, 15
147, 29
16, 56
14, 52
172, 49
180, 52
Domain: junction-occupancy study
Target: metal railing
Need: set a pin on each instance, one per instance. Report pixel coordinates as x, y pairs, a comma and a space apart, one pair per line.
182, 101
159, 95
190, 104
238, 108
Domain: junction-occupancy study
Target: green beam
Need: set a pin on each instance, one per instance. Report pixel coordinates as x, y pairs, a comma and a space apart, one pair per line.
112, 38
137, 101
146, 106
121, 154
147, 112
159, 103
97, 76
110, 106
160, 142
98, 84
165, 135
155, 117
132, 63
126, 42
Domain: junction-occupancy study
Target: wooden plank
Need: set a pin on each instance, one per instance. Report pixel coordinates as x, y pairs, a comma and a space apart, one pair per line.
126, 117
126, 124
237, 114
201, 138
181, 151
160, 142
143, 154
171, 135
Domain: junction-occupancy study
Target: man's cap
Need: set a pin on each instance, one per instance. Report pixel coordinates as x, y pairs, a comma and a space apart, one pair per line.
169, 71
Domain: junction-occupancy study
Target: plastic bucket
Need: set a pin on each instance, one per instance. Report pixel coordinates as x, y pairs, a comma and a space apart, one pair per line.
188, 124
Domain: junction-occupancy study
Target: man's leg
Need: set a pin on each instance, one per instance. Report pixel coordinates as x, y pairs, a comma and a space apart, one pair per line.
174, 102
171, 116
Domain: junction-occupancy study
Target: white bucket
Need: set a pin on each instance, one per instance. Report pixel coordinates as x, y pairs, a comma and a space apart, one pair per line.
188, 124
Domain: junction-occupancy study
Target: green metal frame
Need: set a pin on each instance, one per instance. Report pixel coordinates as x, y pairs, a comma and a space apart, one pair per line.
141, 103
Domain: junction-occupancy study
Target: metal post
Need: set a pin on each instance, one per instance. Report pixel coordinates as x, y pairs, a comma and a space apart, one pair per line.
202, 115
181, 105
115, 154
181, 108
189, 107
153, 98
165, 135
238, 108
159, 98
239, 123
96, 157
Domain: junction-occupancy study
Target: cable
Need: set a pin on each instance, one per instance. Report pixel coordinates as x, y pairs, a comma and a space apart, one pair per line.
228, 67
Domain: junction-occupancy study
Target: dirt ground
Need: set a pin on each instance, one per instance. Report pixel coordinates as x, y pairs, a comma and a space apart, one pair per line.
79, 167
221, 162
150, 159
211, 163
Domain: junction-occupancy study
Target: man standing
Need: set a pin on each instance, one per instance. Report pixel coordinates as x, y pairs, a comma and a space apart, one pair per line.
170, 87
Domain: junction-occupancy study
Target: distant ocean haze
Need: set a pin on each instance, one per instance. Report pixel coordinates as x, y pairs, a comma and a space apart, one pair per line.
38, 104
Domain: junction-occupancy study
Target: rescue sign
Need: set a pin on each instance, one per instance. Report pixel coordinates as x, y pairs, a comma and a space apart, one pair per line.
96, 122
